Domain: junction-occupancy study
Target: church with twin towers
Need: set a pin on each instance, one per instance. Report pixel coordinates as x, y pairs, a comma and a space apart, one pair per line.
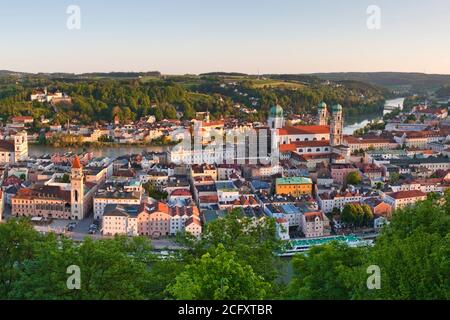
309, 144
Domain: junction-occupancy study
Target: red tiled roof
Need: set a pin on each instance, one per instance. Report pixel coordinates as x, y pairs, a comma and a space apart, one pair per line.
44, 192
288, 147
181, 211
297, 130
353, 140
7, 146
181, 192
209, 199
311, 216
22, 118
307, 144
218, 123
303, 144
407, 194
193, 220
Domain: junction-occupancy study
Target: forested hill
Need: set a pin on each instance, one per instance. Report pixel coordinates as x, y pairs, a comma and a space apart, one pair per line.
392, 80
101, 96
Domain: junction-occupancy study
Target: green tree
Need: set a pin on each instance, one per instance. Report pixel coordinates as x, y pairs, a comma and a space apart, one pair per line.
254, 243
155, 193
416, 267
411, 118
353, 178
219, 275
66, 178
394, 177
18, 244
35, 266
325, 273
367, 215
188, 111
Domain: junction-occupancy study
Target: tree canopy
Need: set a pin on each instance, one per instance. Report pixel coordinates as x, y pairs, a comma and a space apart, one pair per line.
234, 259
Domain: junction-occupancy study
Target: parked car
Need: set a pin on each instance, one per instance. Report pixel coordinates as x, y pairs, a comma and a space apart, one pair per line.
71, 226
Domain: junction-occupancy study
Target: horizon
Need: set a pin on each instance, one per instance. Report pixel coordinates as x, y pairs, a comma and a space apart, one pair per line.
252, 37
227, 72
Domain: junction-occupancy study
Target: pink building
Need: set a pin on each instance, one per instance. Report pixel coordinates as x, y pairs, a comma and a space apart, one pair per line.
154, 220
339, 172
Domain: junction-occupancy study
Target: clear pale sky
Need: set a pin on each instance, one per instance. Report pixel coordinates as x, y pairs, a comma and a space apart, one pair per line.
194, 36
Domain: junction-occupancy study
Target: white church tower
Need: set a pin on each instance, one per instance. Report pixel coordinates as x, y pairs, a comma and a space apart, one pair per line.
275, 122
77, 190
276, 118
20, 146
322, 114
337, 126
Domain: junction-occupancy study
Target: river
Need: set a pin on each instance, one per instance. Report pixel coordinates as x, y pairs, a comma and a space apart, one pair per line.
357, 123
110, 152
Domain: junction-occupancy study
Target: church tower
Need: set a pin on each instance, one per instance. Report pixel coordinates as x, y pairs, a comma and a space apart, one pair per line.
276, 118
322, 114
77, 190
20, 146
275, 122
337, 126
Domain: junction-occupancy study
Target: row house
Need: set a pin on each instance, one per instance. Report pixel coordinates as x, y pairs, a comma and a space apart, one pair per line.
403, 199
224, 171
372, 171
356, 144
203, 170
120, 220
313, 224
158, 220
420, 139
180, 216
329, 201
339, 172
117, 197
243, 202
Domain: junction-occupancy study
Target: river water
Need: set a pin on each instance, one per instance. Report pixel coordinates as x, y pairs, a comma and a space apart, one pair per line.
110, 152
357, 123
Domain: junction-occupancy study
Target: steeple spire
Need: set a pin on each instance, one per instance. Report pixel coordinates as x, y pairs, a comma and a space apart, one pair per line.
76, 164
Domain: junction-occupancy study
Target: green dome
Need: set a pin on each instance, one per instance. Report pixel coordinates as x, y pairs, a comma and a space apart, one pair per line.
336, 108
276, 112
322, 105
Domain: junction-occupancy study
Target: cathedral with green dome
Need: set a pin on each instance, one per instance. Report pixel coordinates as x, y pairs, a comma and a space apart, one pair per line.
276, 118
276, 112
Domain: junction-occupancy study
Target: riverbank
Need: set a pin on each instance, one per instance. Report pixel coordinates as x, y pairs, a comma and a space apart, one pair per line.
37, 150
98, 145
355, 124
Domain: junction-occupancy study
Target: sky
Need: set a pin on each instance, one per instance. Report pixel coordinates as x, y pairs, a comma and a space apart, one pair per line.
250, 36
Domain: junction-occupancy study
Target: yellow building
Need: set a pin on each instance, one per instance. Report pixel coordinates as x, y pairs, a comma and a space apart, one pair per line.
295, 186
